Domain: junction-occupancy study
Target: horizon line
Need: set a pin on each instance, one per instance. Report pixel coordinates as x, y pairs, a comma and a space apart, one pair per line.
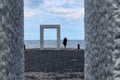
62, 39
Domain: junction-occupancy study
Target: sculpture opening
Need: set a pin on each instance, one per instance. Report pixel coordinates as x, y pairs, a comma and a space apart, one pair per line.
53, 41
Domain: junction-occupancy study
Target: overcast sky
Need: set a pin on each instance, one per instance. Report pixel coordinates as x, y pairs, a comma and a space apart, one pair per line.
68, 13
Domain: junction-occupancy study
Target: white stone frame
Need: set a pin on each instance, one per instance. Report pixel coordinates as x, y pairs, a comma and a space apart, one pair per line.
42, 27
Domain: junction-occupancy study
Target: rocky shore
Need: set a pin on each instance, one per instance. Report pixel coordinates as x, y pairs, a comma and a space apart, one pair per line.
54, 64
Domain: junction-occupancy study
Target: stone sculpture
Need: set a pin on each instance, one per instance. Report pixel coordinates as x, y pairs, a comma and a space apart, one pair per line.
99, 40
102, 36
102, 31
48, 26
116, 24
11, 40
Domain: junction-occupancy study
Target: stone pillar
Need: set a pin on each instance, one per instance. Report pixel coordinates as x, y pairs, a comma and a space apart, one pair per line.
99, 37
58, 38
41, 37
116, 25
11, 40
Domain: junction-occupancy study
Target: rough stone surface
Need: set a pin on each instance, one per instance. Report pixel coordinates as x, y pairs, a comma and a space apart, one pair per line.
116, 24
11, 40
99, 40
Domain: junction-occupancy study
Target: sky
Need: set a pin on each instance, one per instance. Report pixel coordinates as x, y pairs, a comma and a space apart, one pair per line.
69, 14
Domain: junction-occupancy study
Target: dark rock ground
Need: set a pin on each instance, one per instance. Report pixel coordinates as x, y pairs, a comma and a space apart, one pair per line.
54, 64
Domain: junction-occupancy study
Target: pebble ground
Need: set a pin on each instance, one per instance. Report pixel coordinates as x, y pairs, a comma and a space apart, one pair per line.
54, 64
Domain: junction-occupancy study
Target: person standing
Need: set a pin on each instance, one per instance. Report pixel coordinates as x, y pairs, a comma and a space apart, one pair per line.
65, 42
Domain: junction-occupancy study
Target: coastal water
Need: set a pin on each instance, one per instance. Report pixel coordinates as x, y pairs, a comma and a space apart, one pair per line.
53, 44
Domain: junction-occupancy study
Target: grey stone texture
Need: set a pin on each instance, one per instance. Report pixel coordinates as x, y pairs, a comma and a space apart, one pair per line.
11, 40
99, 37
102, 31
116, 24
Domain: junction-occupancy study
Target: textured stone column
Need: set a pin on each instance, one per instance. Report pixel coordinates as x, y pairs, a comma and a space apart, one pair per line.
11, 40
99, 37
116, 24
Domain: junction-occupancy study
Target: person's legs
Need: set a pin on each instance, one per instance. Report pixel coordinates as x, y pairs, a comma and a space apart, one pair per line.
65, 45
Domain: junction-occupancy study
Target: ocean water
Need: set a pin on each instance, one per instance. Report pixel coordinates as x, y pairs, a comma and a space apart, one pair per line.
53, 44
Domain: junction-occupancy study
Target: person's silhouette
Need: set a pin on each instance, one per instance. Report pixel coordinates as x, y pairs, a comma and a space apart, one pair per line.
24, 47
65, 42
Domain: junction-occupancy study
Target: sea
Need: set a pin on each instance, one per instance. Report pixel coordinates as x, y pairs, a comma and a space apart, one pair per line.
30, 44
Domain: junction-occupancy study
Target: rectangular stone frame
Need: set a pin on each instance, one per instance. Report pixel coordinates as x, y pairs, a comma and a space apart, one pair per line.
42, 27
